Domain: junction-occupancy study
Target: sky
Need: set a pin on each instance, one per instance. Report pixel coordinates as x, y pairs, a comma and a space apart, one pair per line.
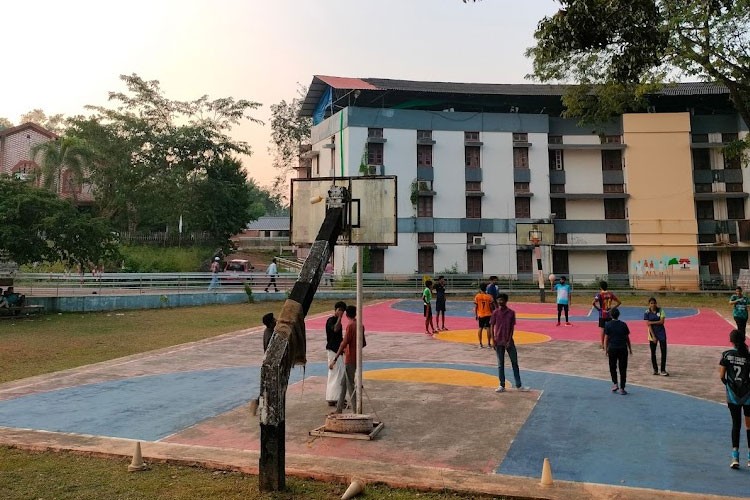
61, 56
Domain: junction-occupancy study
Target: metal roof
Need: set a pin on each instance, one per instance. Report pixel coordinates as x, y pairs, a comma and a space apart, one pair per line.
270, 224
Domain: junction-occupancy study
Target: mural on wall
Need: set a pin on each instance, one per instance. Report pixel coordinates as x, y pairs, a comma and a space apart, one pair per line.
659, 266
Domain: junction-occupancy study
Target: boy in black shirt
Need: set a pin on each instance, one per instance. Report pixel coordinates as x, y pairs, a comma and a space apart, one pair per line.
440, 302
617, 347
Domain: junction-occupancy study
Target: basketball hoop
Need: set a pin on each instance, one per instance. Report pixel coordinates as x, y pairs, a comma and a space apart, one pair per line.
535, 236
534, 241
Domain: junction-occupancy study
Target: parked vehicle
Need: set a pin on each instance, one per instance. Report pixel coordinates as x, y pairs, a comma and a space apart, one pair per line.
238, 271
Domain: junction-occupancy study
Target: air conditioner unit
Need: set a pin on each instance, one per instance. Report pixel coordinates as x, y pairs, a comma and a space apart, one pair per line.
375, 170
478, 241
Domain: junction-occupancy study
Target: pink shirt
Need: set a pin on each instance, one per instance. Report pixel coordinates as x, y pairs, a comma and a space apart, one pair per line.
503, 322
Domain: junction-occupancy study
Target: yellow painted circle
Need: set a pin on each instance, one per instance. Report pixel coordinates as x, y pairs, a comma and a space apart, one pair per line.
470, 337
443, 376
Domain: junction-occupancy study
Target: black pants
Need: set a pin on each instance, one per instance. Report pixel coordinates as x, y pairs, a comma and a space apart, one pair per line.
741, 324
618, 357
736, 412
272, 282
663, 347
561, 308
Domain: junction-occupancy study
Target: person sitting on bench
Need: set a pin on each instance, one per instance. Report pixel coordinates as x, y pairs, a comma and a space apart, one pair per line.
3, 300
14, 299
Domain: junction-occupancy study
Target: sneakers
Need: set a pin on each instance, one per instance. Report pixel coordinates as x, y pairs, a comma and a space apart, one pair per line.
735, 463
664, 374
558, 324
623, 392
481, 346
523, 389
615, 388
656, 372
500, 388
568, 323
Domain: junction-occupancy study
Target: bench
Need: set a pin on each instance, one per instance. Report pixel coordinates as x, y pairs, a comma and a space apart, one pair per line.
18, 311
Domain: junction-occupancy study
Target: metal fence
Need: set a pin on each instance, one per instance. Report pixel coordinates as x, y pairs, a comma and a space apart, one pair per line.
66, 284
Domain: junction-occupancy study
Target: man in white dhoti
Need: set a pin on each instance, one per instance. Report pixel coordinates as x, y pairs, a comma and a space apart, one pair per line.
334, 336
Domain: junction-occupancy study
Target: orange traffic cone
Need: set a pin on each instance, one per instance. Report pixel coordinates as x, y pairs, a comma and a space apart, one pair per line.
137, 463
354, 489
546, 473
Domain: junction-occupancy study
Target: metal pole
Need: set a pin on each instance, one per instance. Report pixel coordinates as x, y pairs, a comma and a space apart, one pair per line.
360, 335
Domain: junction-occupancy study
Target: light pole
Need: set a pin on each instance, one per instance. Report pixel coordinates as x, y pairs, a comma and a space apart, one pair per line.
535, 237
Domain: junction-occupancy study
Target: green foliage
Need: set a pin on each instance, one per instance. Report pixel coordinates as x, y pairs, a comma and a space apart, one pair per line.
67, 153
622, 50
146, 259
414, 192
5, 123
449, 270
249, 291
38, 226
289, 131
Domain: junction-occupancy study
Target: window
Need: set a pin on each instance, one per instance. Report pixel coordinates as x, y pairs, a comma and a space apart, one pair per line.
558, 207
735, 208
732, 163
729, 137
614, 209
733, 187
561, 238
700, 138
473, 186
426, 238
707, 238
426, 260
69, 184
614, 188
475, 261
520, 157
424, 135
704, 210
424, 206
375, 133
377, 260
617, 262
375, 153
424, 155
701, 159
520, 137
611, 139
555, 139
739, 261
557, 188
471, 136
560, 262
523, 261
703, 187
472, 156
473, 207
523, 208
556, 160
612, 160
617, 238
521, 187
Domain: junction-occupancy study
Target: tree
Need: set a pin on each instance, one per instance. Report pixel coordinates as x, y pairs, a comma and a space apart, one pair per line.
152, 153
64, 153
38, 226
54, 123
5, 123
619, 51
289, 131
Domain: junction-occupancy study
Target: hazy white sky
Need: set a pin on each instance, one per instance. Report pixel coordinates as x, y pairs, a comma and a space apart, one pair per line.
60, 56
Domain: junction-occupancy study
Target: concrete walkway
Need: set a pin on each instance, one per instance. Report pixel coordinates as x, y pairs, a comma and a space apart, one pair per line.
445, 427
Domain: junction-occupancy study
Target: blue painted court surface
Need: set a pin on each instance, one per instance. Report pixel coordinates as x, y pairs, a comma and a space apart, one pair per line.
649, 438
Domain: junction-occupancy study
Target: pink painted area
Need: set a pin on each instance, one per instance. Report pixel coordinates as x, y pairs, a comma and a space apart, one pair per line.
707, 328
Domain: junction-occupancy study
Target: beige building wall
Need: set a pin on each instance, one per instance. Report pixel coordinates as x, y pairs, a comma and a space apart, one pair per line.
661, 207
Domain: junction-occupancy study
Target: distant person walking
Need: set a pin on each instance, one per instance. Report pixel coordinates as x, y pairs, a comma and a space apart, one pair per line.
215, 268
605, 302
739, 310
334, 337
483, 306
563, 299
429, 328
657, 334
503, 323
272, 271
440, 303
617, 347
734, 372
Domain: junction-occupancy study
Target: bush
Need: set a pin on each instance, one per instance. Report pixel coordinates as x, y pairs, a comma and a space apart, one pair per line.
147, 259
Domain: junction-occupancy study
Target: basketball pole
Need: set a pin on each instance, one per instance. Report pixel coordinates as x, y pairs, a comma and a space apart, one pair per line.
360, 335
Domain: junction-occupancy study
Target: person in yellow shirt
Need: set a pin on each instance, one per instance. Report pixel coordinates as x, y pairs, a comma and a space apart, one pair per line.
483, 305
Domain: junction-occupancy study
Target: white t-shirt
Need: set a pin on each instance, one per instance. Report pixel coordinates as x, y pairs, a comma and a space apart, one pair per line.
271, 271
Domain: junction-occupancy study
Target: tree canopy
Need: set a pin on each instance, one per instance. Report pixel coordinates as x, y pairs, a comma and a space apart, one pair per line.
289, 130
621, 50
38, 226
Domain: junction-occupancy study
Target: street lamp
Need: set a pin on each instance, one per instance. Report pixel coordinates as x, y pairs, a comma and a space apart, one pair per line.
535, 238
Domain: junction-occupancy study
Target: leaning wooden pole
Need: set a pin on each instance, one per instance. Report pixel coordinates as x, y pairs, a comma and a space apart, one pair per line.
286, 349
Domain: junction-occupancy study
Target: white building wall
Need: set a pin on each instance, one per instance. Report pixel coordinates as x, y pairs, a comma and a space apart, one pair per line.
497, 175
584, 266
584, 209
583, 171
539, 165
500, 254
402, 259
450, 181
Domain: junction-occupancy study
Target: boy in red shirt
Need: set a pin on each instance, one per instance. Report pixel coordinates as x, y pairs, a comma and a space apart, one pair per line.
348, 345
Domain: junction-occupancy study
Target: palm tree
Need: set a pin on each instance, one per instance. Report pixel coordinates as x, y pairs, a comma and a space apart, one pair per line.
66, 153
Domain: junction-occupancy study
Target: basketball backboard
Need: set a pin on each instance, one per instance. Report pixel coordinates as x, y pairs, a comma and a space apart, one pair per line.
371, 216
525, 232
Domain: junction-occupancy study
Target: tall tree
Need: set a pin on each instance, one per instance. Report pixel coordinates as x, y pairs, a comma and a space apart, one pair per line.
53, 123
67, 153
5, 123
38, 226
289, 131
620, 50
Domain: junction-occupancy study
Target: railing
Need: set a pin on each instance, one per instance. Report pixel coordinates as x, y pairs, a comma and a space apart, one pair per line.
66, 284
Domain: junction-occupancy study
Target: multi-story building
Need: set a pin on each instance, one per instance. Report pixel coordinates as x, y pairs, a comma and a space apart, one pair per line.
649, 196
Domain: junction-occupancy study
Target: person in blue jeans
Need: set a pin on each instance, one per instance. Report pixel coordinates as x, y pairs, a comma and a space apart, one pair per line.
503, 324
617, 347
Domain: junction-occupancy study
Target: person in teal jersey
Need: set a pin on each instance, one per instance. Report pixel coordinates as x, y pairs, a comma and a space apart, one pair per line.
657, 334
427, 300
734, 372
739, 311
563, 299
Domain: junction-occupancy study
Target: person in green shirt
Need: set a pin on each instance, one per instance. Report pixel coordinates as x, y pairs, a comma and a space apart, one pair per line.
427, 300
739, 310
